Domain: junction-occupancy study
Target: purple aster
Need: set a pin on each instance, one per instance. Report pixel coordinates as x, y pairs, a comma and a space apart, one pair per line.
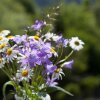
24, 62
50, 68
18, 39
42, 53
51, 82
61, 41
68, 64
24, 37
45, 49
38, 25
33, 60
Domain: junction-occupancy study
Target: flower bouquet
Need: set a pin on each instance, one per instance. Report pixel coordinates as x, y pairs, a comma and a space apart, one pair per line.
34, 63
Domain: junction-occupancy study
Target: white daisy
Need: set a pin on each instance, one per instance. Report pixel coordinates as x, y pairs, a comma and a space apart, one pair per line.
48, 36
3, 39
56, 37
24, 73
11, 54
58, 73
2, 62
3, 47
4, 32
76, 44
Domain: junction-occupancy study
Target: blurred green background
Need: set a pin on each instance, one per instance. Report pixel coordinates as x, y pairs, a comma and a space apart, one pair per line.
77, 18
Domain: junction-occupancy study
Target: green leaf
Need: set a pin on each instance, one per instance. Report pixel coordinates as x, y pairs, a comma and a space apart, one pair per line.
63, 90
50, 89
4, 88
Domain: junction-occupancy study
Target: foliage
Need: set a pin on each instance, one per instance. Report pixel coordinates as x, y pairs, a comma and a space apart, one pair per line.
78, 20
16, 14
83, 21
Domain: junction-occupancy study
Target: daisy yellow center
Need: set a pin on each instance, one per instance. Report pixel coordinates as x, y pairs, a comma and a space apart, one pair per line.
24, 73
36, 37
9, 51
1, 37
10, 37
0, 60
77, 43
57, 70
52, 50
2, 45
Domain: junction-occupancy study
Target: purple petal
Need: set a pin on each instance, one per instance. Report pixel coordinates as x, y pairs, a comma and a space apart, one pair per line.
68, 64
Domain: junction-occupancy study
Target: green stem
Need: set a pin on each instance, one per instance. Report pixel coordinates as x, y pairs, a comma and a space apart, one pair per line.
6, 72
13, 67
61, 61
60, 55
9, 69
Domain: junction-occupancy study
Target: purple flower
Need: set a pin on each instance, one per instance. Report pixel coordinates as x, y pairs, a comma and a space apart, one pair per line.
38, 25
33, 60
68, 64
61, 41
51, 82
45, 49
50, 68
18, 39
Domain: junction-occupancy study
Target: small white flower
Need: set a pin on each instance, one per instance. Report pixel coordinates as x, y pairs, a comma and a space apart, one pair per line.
11, 54
4, 32
24, 73
76, 44
2, 62
3, 35
3, 47
48, 36
51, 36
3, 39
56, 37
58, 73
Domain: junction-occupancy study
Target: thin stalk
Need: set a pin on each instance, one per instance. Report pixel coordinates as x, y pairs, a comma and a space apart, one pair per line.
5, 72
60, 55
61, 61
9, 69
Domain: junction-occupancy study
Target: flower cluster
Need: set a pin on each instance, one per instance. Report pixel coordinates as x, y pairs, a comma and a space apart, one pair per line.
35, 62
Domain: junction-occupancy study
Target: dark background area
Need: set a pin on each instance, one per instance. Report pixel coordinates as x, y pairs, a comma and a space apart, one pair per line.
77, 18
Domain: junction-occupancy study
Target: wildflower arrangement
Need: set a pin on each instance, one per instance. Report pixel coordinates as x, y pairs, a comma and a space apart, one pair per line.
34, 63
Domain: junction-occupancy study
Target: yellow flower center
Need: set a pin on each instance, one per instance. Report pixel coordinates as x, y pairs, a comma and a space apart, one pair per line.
24, 73
0, 60
10, 37
57, 70
2, 45
36, 37
52, 50
9, 51
1, 37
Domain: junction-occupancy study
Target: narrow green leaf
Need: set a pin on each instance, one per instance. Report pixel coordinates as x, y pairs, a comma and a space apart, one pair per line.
4, 88
50, 89
63, 90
